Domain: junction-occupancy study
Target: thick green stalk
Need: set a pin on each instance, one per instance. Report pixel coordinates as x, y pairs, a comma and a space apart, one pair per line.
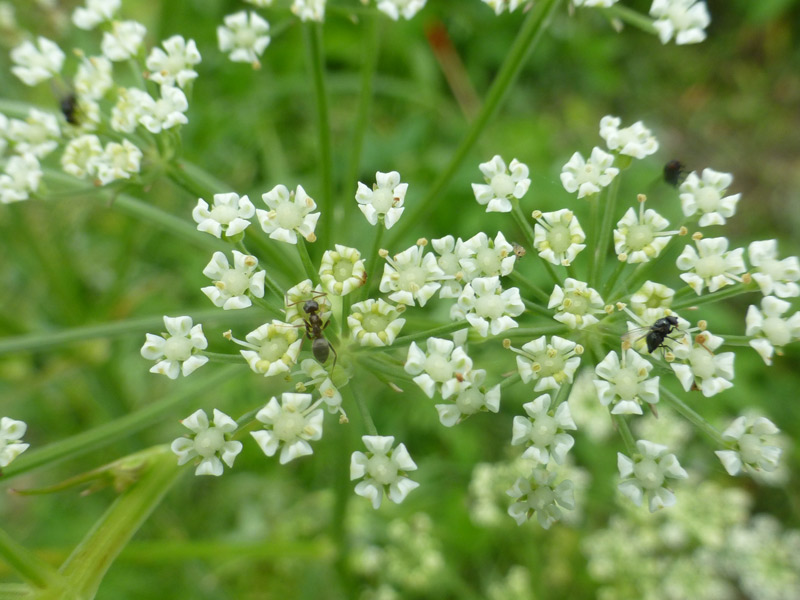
690, 415
625, 432
32, 569
372, 262
363, 410
312, 34
537, 308
601, 250
529, 34
308, 266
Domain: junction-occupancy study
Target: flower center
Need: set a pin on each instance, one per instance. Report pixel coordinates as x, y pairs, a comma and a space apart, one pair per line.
502, 185
449, 263
208, 442
649, 474
488, 261
627, 384
576, 304
177, 348
288, 216
776, 331
382, 469
710, 266
223, 214
541, 498
559, 238
412, 279
550, 365
490, 307
342, 270
438, 367
234, 282
382, 200
750, 448
469, 401
273, 349
373, 323
288, 426
173, 64
639, 236
707, 199
245, 38
543, 430
702, 363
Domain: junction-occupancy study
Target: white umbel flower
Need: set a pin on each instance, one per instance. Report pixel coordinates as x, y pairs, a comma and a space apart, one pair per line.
699, 368
774, 276
487, 306
588, 177
384, 200
595, 3
646, 475
309, 10
320, 378
11, 444
576, 303
375, 322
706, 195
94, 13
36, 63
38, 134
233, 286
539, 495
342, 271
21, 179
543, 431
548, 364
640, 237
272, 348
771, 328
450, 251
442, 367
711, 265
289, 425
558, 236
130, 105
469, 401
229, 214
123, 41
502, 184
94, 77
636, 141
244, 37
498, 6
175, 64
82, 155
384, 470
685, 20
752, 451
400, 8
411, 276
484, 257
210, 443
118, 161
652, 295
164, 113
175, 349
289, 213
626, 384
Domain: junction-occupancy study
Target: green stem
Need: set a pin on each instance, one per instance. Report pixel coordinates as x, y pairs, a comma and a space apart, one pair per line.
690, 415
609, 285
529, 34
601, 250
522, 222
537, 308
33, 570
435, 332
308, 266
312, 34
737, 340
729, 292
521, 280
531, 332
631, 17
224, 357
625, 432
269, 281
510, 380
372, 263
382, 369
363, 410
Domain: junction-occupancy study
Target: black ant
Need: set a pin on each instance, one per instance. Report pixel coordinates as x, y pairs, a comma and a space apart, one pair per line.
314, 325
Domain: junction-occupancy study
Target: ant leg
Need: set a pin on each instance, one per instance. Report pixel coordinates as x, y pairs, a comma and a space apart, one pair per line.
335, 356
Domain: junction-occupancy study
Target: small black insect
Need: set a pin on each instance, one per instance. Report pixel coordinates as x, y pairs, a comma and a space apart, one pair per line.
69, 108
320, 346
659, 331
674, 172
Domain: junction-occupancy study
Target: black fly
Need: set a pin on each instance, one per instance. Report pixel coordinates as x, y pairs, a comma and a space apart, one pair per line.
674, 172
657, 333
69, 107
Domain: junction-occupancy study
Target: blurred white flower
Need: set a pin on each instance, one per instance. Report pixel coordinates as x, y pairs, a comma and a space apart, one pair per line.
501, 5
588, 177
636, 141
38, 134
774, 276
176, 65
384, 470
706, 196
502, 183
384, 200
123, 41
130, 105
539, 495
309, 10
11, 444
94, 77
400, 8
770, 327
118, 161
470, 400
646, 475
685, 20
450, 251
164, 113
36, 63
209, 442
94, 13
751, 440
652, 295
289, 425
175, 349
244, 37
21, 179
82, 155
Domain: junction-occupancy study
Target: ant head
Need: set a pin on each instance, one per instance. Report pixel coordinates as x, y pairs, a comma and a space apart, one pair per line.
311, 306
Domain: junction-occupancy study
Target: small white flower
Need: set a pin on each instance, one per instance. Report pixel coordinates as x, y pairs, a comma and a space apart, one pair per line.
260, 3
700, 368
309, 10
375, 322
118, 161
397, 8
289, 425
558, 236
443, 366
176, 65
539, 495
342, 270
772, 329
411, 276
774, 276
36, 63
210, 442
543, 431
11, 444
500, 5
298, 295
244, 37
82, 155
707, 197
686, 20
175, 350
450, 251
289, 214
502, 183
576, 304
123, 41
166, 112
588, 177
94, 13
94, 77
131, 103
484, 257
272, 348
647, 474
549, 365
21, 179
652, 295
470, 401
320, 378
641, 238
383, 469
636, 141
487, 307
233, 286
38, 134
712, 264
626, 385
595, 3
384, 200
750, 439
228, 215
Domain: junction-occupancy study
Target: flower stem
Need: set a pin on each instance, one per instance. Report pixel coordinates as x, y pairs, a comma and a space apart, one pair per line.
435, 332
531, 332
223, 357
308, 266
734, 290
537, 308
372, 263
312, 34
510, 380
609, 285
520, 279
737, 340
690, 415
631, 17
601, 250
526, 40
363, 410
625, 432
32, 569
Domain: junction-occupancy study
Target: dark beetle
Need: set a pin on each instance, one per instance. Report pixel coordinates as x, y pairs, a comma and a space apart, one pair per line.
674, 172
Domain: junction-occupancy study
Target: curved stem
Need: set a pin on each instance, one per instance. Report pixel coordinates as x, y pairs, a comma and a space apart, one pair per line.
308, 266
601, 250
363, 410
690, 415
625, 432
730, 292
